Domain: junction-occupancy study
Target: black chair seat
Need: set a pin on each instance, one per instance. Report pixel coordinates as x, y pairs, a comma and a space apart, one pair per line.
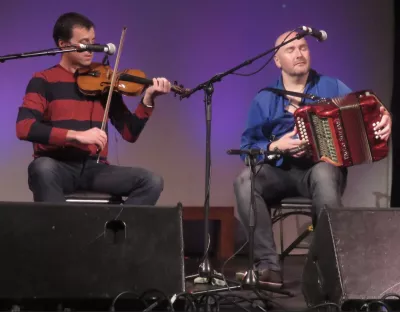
299, 204
92, 196
296, 201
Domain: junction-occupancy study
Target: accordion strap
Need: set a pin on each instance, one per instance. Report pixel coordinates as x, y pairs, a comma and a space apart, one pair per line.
297, 94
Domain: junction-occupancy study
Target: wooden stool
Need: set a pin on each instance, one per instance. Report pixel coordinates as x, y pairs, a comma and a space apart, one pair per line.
225, 215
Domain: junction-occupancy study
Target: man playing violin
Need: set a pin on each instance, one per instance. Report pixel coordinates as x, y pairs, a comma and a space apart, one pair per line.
65, 128
270, 125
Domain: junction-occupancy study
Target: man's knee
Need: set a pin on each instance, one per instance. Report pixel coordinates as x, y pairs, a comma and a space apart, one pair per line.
325, 174
43, 168
324, 171
242, 181
327, 184
157, 182
241, 189
154, 182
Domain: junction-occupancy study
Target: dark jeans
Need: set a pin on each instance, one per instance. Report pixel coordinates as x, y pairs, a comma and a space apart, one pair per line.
322, 182
50, 179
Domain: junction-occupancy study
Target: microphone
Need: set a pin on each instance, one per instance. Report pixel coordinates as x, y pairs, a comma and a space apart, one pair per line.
254, 152
108, 48
321, 35
268, 154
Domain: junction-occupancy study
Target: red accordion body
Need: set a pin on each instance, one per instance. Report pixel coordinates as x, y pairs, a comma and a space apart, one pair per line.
340, 130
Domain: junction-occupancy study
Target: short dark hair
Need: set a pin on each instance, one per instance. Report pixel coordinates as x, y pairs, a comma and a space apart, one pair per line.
65, 23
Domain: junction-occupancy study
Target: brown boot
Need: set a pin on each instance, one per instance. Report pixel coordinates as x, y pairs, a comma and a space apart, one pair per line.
270, 278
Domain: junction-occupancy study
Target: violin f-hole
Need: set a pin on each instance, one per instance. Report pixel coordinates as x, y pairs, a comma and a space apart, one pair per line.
104, 83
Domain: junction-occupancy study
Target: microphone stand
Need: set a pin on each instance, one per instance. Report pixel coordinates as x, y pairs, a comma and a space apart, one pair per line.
205, 270
250, 280
39, 53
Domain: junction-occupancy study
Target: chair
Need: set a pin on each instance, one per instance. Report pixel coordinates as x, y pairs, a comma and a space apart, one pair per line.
301, 206
93, 198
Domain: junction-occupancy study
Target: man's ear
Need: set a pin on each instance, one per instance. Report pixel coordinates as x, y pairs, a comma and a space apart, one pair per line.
277, 62
62, 43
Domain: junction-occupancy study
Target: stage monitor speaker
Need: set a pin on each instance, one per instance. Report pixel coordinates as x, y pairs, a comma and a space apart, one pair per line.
354, 257
70, 251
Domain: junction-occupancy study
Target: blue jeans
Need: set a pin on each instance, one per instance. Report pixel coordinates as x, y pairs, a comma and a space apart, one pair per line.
50, 179
322, 182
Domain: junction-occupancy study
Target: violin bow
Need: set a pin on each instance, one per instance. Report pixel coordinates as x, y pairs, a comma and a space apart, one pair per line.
111, 90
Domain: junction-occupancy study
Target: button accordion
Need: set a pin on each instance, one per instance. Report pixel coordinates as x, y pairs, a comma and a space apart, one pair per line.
340, 130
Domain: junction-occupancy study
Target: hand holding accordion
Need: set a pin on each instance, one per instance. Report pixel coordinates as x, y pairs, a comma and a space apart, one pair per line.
340, 130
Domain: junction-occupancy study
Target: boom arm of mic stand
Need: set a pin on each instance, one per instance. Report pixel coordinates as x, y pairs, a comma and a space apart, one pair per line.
256, 152
252, 152
292, 93
36, 53
219, 77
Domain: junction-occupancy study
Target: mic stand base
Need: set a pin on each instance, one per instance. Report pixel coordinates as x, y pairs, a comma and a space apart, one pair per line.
206, 272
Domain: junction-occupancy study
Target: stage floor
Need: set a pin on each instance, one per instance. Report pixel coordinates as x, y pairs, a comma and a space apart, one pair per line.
293, 269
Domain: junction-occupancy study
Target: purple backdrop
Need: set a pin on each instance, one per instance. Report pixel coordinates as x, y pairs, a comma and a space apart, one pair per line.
191, 41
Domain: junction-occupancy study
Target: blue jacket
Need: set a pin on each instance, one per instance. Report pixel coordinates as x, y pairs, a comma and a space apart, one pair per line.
267, 118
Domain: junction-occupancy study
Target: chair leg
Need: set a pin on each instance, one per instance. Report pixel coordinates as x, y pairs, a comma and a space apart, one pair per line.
297, 241
281, 241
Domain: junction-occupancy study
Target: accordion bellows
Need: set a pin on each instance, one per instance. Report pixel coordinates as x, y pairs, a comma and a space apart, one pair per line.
340, 130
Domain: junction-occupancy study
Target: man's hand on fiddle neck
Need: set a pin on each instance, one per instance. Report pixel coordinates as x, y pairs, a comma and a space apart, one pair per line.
160, 86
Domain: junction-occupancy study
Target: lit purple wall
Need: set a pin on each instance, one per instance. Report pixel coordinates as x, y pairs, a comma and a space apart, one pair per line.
191, 41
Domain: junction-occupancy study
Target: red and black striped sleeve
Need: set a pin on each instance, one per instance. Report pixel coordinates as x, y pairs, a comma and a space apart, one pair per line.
129, 125
31, 124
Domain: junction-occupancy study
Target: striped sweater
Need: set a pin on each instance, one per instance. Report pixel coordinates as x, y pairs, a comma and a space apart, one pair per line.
53, 104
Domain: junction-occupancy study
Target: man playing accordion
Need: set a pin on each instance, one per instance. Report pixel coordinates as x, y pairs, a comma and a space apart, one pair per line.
271, 126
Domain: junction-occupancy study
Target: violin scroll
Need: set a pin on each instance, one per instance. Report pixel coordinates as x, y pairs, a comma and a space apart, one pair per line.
179, 89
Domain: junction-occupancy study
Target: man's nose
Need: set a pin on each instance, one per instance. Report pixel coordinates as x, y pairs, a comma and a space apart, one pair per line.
298, 53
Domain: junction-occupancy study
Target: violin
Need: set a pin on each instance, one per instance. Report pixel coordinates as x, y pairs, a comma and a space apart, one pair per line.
96, 80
